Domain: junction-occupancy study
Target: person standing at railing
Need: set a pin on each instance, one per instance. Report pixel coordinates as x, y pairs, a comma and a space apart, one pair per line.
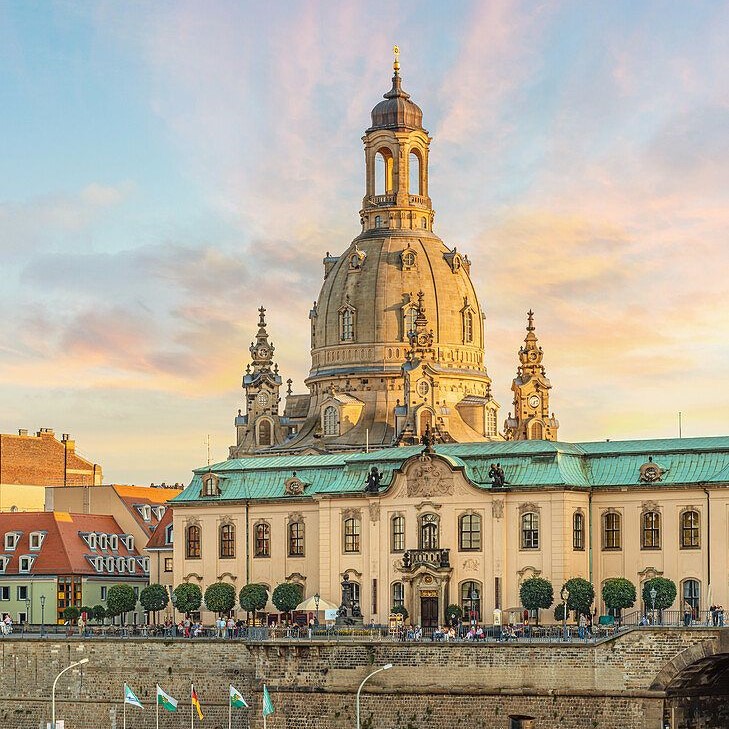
688, 612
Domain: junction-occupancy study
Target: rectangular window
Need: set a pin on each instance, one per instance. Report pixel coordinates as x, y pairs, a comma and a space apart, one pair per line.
651, 531
25, 564
497, 592
168, 564
36, 539
11, 541
611, 531
398, 594
398, 533
578, 531
374, 595
296, 539
103, 592
22, 618
530, 531
690, 536
351, 535
22, 592
4, 592
470, 533
263, 540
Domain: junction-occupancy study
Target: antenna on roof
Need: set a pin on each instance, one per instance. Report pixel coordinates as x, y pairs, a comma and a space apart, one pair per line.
679, 423
208, 443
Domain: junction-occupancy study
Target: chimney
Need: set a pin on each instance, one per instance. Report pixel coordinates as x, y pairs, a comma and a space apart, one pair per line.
45, 431
22, 431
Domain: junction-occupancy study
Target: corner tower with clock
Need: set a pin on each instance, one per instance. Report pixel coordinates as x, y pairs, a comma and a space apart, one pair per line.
261, 425
531, 419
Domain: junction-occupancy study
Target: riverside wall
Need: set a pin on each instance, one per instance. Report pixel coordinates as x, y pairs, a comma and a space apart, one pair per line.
313, 684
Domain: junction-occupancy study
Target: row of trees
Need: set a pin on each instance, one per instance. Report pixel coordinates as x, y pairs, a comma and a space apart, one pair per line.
188, 598
618, 593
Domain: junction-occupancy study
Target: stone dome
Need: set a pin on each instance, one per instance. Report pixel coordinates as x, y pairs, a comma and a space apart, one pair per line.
397, 111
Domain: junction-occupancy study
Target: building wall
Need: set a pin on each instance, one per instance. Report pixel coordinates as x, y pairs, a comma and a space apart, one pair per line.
21, 497
502, 554
437, 685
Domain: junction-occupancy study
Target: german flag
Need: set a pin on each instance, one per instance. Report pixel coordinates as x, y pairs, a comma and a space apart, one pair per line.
195, 701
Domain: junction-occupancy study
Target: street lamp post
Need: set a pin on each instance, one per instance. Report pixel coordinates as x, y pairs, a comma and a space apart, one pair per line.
564, 594
27, 612
653, 594
53, 690
43, 615
386, 667
317, 597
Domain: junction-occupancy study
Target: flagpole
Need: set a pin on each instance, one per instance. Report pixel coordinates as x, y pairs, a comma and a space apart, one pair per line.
157, 706
192, 709
230, 709
124, 709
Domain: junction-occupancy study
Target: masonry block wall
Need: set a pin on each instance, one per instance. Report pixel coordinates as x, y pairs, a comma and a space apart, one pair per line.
434, 685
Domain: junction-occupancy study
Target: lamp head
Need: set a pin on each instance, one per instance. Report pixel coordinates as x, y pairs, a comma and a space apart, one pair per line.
82, 661
387, 666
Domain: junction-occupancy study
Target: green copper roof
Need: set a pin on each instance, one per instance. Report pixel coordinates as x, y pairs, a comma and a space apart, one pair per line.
526, 464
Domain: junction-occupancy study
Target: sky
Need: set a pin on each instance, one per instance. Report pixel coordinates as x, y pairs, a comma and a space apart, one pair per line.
168, 167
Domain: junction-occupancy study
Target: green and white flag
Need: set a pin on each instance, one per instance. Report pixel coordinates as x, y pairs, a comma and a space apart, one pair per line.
236, 699
131, 698
165, 700
267, 703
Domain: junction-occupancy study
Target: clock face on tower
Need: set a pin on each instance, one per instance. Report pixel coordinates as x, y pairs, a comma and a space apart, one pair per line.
262, 399
262, 352
534, 401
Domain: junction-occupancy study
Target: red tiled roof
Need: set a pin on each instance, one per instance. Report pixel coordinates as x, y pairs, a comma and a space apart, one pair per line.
134, 496
63, 549
157, 540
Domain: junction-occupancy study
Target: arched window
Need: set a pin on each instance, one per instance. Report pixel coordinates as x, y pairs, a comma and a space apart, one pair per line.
296, 539
690, 530
692, 596
355, 592
409, 316
651, 534
429, 531
192, 542
398, 534
426, 421
469, 533
351, 534
331, 420
378, 221
346, 325
383, 172
578, 531
471, 600
227, 541
537, 431
611, 531
467, 326
414, 186
210, 488
423, 222
530, 530
264, 432
262, 537
398, 594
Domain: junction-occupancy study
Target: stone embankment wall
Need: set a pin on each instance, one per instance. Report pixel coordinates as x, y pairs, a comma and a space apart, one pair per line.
444, 686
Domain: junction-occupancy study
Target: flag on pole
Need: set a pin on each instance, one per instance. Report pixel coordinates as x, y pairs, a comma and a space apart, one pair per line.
267, 703
236, 699
195, 701
131, 698
165, 700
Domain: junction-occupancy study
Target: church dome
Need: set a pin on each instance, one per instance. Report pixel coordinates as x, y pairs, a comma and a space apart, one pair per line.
397, 111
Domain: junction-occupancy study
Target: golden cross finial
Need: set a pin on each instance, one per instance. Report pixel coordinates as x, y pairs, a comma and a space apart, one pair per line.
396, 64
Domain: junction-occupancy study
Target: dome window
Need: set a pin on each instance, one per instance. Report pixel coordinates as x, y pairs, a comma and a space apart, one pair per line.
347, 315
408, 258
330, 420
409, 315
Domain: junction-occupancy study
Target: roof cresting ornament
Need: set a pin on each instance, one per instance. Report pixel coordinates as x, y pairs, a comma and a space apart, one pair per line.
396, 64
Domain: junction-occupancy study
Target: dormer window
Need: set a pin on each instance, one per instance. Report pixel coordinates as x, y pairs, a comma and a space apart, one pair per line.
330, 420
131, 564
113, 542
91, 540
145, 564
11, 541
168, 534
110, 563
26, 562
146, 512
161, 512
99, 564
4, 562
210, 485
121, 564
128, 540
102, 541
36, 540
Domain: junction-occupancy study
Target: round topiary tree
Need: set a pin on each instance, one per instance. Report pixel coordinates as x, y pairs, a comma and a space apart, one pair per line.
220, 597
253, 597
287, 596
559, 612
453, 613
536, 593
618, 593
71, 613
581, 595
665, 593
99, 612
154, 598
187, 597
400, 610
120, 599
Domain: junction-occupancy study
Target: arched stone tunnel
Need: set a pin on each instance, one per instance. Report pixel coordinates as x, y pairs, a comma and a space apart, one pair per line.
696, 683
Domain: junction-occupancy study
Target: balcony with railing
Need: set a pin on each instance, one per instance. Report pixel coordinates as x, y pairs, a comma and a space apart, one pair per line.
382, 200
419, 201
438, 558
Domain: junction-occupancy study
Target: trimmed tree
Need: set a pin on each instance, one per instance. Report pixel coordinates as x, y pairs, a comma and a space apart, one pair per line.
559, 612
400, 610
71, 613
220, 597
188, 597
154, 598
287, 596
581, 595
453, 613
665, 592
253, 597
99, 612
120, 599
536, 593
618, 593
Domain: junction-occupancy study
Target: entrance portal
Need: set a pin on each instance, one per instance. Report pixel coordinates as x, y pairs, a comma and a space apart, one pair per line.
428, 612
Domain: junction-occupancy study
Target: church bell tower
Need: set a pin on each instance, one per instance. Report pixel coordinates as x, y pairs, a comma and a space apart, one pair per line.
531, 419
